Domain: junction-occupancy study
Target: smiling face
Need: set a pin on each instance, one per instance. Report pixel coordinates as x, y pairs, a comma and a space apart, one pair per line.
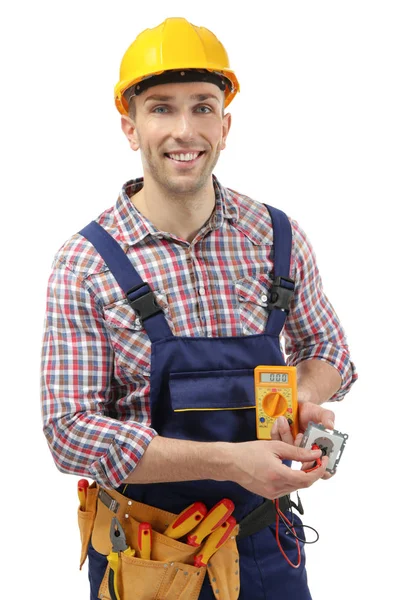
180, 130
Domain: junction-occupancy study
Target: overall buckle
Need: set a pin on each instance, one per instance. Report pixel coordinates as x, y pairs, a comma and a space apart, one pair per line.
281, 293
145, 306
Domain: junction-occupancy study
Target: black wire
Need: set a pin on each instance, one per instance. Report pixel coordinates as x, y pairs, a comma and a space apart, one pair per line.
297, 527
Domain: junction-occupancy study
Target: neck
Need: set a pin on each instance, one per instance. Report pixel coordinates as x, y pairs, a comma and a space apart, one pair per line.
182, 214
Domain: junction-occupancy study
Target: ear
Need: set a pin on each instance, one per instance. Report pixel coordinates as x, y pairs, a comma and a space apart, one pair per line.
226, 125
129, 129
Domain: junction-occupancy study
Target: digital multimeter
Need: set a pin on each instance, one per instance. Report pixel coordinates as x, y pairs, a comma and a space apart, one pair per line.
276, 395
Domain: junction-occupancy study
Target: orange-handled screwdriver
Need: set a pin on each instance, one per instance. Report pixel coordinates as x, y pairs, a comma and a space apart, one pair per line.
83, 485
214, 518
214, 542
186, 520
145, 535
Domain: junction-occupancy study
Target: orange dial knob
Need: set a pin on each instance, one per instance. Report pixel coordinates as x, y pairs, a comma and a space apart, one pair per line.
274, 404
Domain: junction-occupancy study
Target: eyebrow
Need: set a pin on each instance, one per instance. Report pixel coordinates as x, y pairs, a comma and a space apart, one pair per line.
200, 97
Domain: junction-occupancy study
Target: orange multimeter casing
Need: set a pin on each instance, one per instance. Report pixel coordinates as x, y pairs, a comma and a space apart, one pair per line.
276, 395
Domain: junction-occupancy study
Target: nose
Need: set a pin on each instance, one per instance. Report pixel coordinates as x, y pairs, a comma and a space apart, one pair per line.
183, 127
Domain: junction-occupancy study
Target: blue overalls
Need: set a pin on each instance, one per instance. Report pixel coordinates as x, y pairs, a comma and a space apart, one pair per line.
192, 373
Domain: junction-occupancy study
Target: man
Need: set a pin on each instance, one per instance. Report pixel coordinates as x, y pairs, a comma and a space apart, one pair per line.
148, 384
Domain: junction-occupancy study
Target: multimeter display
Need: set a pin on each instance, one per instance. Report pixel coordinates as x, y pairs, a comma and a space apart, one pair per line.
274, 377
276, 396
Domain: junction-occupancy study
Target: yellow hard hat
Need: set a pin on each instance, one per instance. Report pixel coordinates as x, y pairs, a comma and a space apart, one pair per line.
169, 48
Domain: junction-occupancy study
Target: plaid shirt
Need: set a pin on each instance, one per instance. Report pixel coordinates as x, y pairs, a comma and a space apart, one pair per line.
96, 354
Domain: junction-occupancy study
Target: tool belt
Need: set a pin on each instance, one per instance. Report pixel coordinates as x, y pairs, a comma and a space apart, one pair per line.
170, 573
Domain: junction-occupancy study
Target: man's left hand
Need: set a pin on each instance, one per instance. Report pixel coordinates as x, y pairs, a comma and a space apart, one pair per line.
307, 411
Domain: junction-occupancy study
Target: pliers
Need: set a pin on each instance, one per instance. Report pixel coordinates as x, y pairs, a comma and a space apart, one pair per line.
119, 544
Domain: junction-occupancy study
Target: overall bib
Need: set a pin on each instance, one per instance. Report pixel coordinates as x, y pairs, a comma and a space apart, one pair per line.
203, 389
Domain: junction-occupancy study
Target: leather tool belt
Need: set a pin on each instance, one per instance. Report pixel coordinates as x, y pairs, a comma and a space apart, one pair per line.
170, 574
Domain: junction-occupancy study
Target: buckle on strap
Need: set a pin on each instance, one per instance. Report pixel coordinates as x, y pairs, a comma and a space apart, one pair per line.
281, 293
145, 306
108, 501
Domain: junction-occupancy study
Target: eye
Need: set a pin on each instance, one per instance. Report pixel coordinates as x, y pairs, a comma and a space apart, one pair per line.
158, 108
208, 109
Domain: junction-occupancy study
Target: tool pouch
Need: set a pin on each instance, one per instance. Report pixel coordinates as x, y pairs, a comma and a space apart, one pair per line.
170, 573
223, 570
86, 520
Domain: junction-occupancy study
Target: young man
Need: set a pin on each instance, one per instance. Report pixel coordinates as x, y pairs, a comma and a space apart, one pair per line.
148, 384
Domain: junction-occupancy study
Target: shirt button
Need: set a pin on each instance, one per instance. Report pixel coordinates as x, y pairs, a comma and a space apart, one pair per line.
202, 291
264, 298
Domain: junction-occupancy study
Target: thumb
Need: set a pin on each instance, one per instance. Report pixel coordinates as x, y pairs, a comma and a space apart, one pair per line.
287, 451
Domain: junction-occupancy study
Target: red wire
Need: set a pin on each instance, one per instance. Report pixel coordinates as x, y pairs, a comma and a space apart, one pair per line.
279, 513
318, 461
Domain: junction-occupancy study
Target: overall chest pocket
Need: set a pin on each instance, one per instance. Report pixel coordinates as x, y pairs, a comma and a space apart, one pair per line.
212, 405
252, 295
131, 345
212, 390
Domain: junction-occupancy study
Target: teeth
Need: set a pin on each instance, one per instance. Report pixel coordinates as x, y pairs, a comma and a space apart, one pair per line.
184, 157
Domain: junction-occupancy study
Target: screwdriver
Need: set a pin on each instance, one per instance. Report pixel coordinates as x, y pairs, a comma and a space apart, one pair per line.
83, 485
214, 518
145, 535
186, 520
217, 539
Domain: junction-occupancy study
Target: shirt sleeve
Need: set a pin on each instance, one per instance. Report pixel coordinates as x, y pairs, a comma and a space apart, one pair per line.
313, 330
78, 390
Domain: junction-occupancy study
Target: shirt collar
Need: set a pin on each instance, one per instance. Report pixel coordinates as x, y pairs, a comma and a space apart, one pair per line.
244, 214
229, 205
132, 225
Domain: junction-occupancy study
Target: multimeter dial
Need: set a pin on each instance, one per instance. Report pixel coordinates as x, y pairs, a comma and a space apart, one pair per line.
274, 404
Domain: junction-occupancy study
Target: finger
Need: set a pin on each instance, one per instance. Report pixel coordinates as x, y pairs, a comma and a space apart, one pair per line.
328, 474
290, 452
298, 439
284, 430
318, 414
295, 480
275, 431
327, 418
307, 479
308, 467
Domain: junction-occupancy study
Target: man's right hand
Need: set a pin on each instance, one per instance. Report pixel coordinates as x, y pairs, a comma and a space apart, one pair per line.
258, 467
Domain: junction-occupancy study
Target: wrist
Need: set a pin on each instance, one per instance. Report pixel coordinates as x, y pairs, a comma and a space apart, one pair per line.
306, 392
317, 381
223, 461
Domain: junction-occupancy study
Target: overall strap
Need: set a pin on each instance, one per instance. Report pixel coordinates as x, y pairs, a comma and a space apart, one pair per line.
139, 294
282, 287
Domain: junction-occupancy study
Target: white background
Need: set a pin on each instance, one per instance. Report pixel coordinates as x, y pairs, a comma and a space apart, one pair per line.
315, 132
